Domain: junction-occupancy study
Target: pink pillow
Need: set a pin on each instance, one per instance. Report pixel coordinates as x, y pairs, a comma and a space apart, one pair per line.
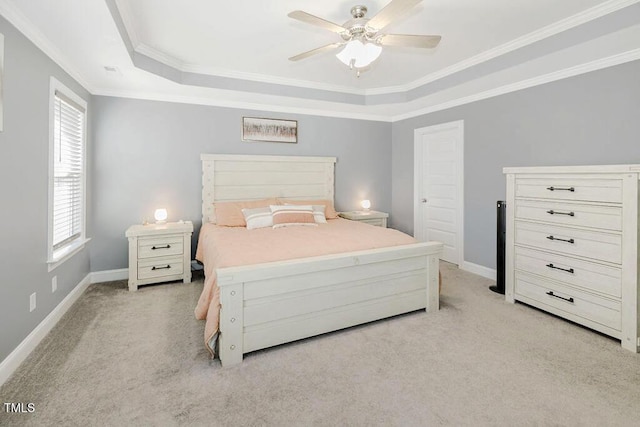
329, 212
287, 216
229, 214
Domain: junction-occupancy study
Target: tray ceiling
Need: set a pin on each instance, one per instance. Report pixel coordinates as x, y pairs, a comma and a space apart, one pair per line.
236, 52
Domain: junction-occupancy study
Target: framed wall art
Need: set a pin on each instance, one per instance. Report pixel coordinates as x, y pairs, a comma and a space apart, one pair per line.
269, 130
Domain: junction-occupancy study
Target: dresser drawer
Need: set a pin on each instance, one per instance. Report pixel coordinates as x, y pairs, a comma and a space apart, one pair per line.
160, 246
590, 244
159, 267
588, 275
570, 188
583, 304
564, 213
377, 222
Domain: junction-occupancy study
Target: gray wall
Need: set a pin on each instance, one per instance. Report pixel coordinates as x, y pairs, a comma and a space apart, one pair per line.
589, 119
147, 155
24, 146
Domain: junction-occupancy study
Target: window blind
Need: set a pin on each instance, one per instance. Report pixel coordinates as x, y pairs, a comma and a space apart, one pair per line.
68, 171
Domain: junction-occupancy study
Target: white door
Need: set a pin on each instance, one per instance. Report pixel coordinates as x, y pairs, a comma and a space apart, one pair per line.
438, 187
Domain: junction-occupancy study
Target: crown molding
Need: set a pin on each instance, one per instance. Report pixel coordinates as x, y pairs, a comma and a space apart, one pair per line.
273, 79
157, 55
127, 19
587, 67
30, 31
217, 102
173, 62
533, 37
599, 64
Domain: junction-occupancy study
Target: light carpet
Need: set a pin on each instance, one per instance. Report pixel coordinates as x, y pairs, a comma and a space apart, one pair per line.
120, 358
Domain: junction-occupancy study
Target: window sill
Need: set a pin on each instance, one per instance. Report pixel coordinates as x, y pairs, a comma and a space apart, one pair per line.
61, 255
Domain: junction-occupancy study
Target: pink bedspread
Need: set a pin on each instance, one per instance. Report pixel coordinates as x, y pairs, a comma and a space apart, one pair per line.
220, 247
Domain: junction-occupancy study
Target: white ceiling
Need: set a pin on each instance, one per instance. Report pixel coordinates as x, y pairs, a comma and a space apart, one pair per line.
256, 37
494, 46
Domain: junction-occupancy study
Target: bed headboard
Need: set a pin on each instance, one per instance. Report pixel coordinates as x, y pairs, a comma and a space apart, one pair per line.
231, 177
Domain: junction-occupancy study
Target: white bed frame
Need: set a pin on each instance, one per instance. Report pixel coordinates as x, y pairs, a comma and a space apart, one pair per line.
264, 305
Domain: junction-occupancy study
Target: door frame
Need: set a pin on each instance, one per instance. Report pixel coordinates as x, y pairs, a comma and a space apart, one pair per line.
418, 153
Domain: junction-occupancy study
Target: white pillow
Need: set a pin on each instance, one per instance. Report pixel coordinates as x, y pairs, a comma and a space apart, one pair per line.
292, 215
258, 217
318, 212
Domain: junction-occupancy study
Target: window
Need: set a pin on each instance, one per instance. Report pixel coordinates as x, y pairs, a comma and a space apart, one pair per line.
66, 173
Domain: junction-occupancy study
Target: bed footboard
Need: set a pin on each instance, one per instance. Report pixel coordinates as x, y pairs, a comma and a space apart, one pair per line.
274, 303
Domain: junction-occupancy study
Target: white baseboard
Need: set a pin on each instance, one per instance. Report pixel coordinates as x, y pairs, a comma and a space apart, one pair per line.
17, 356
480, 270
109, 275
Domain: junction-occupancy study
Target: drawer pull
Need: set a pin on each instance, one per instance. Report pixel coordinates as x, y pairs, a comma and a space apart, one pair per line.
552, 188
568, 270
552, 212
551, 294
160, 268
160, 247
561, 240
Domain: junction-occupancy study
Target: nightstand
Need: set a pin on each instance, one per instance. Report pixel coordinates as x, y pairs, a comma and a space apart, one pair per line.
376, 218
159, 253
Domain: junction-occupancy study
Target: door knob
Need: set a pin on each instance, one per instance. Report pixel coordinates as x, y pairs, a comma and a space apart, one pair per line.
424, 200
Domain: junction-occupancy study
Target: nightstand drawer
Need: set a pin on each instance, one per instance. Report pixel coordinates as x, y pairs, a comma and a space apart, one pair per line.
377, 222
159, 267
160, 246
378, 219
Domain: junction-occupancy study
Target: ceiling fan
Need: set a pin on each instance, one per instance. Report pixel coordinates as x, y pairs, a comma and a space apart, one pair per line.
364, 38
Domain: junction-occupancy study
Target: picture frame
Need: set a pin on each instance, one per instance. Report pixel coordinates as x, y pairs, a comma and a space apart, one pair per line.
257, 129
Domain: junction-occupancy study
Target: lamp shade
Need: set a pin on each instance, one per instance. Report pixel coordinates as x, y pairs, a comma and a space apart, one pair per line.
366, 204
160, 215
358, 54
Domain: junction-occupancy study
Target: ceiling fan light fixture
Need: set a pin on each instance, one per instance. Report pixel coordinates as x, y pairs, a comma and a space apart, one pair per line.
359, 55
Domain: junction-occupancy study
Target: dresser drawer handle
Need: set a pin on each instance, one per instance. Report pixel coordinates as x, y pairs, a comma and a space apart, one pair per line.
160, 247
552, 188
552, 212
568, 270
160, 268
561, 240
551, 294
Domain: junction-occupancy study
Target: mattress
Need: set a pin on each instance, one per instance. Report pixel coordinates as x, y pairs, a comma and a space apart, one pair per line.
220, 247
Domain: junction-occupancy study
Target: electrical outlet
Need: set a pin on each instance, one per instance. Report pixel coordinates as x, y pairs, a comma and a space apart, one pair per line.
54, 284
32, 302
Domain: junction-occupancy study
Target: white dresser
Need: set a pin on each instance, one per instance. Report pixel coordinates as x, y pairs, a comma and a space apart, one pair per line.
572, 245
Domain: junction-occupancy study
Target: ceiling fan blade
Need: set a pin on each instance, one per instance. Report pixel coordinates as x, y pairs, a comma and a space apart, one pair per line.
315, 51
410, 40
391, 12
314, 20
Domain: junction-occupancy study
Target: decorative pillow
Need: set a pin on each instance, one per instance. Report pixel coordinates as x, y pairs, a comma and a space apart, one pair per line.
286, 216
330, 212
318, 213
229, 214
258, 218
